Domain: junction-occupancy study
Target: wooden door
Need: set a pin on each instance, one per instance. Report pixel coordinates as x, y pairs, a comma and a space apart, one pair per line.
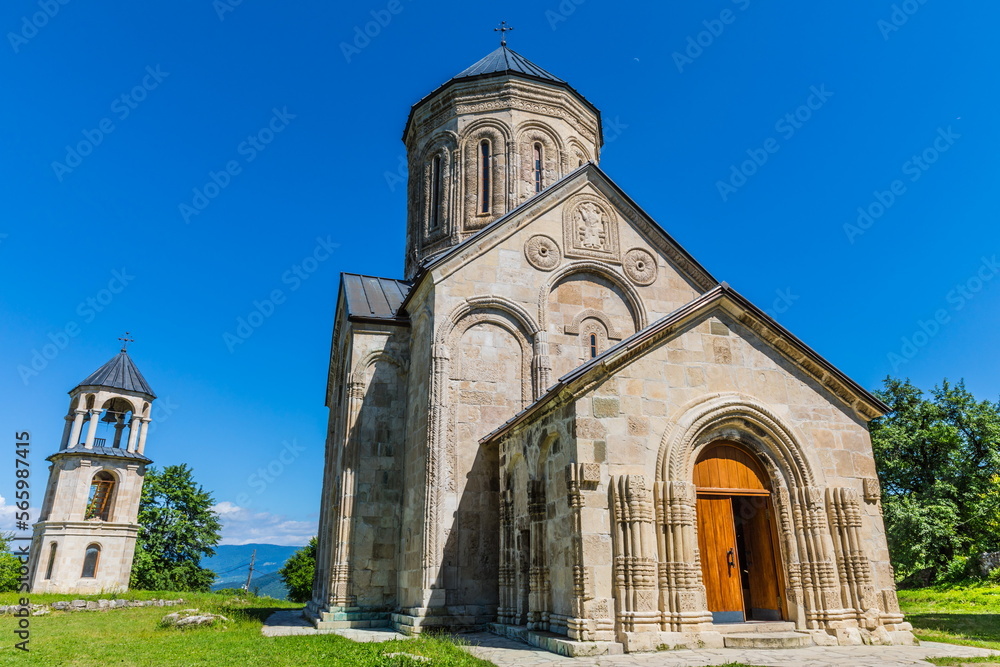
765, 589
720, 564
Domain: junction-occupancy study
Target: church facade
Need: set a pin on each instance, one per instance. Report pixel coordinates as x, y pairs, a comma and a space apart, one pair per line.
561, 426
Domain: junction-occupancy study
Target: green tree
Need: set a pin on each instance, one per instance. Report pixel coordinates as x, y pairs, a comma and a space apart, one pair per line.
938, 459
179, 527
298, 572
10, 567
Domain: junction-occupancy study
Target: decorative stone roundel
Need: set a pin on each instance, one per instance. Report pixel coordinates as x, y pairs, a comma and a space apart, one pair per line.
640, 266
542, 252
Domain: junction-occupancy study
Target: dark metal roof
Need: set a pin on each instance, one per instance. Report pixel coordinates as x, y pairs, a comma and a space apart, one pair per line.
101, 451
506, 61
119, 373
503, 62
636, 340
374, 299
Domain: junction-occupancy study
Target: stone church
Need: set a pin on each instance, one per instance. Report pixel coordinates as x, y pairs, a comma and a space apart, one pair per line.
560, 426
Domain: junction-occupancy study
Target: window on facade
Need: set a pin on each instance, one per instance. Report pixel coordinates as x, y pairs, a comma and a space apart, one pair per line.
435, 217
90, 561
52, 561
593, 345
99, 501
538, 167
485, 187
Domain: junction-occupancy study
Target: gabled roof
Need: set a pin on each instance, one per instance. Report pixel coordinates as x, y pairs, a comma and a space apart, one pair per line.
119, 373
847, 390
372, 299
506, 62
681, 258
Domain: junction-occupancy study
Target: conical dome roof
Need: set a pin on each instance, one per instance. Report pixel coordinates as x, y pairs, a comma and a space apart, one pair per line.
119, 373
506, 61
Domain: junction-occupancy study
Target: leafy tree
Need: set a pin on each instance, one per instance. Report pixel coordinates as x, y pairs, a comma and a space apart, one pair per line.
298, 573
10, 566
178, 529
939, 465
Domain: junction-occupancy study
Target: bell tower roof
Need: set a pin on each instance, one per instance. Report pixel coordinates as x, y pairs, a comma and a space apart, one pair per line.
120, 372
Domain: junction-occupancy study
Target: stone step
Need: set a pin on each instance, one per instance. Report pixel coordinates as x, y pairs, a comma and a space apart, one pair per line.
767, 640
754, 626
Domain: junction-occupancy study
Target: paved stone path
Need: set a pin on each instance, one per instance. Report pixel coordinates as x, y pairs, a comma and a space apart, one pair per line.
506, 652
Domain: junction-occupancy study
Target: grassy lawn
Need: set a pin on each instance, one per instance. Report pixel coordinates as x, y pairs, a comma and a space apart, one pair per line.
134, 637
969, 616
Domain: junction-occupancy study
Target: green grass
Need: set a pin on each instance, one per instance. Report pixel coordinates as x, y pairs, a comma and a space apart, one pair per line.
134, 637
955, 615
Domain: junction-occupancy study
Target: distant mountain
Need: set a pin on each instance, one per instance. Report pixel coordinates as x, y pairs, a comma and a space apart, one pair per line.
231, 562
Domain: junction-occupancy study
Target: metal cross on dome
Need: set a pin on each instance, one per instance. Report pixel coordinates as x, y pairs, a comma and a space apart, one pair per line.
503, 30
126, 340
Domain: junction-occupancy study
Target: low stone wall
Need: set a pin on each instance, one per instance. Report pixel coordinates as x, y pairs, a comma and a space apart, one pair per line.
988, 562
89, 605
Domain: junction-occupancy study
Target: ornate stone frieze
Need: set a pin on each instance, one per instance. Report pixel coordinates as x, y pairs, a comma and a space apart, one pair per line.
590, 228
542, 252
873, 490
640, 266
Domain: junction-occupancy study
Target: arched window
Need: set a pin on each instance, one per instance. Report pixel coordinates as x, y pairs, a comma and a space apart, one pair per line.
52, 561
593, 345
90, 561
435, 217
101, 493
485, 186
538, 167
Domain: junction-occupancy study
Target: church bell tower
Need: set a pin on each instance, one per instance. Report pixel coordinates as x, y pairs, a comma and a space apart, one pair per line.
85, 538
486, 141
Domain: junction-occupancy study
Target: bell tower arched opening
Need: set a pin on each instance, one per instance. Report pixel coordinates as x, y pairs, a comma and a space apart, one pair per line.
737, 536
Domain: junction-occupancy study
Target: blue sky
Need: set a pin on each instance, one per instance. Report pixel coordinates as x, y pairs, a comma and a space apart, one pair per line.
214, 153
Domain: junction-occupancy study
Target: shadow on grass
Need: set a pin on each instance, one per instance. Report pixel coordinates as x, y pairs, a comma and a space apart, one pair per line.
251, 613
980, 627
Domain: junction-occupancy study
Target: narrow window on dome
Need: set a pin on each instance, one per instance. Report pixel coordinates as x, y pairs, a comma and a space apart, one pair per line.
593, 345
435, 217
485, 186
538, 167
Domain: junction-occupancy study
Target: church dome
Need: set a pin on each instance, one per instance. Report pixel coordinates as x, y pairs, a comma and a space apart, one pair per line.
484, 142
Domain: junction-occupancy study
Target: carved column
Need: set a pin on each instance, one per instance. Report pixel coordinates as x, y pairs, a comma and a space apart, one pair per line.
541, 364
586, 620
340, 570
634, 578
853, 565
538, 575
506, 570
682, 602
821, 594
435, 474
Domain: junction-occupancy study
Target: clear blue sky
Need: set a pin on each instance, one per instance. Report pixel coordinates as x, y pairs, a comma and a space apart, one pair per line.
675, 127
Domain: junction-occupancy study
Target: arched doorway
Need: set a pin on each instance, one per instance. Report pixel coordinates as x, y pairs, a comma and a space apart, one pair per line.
737, 538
